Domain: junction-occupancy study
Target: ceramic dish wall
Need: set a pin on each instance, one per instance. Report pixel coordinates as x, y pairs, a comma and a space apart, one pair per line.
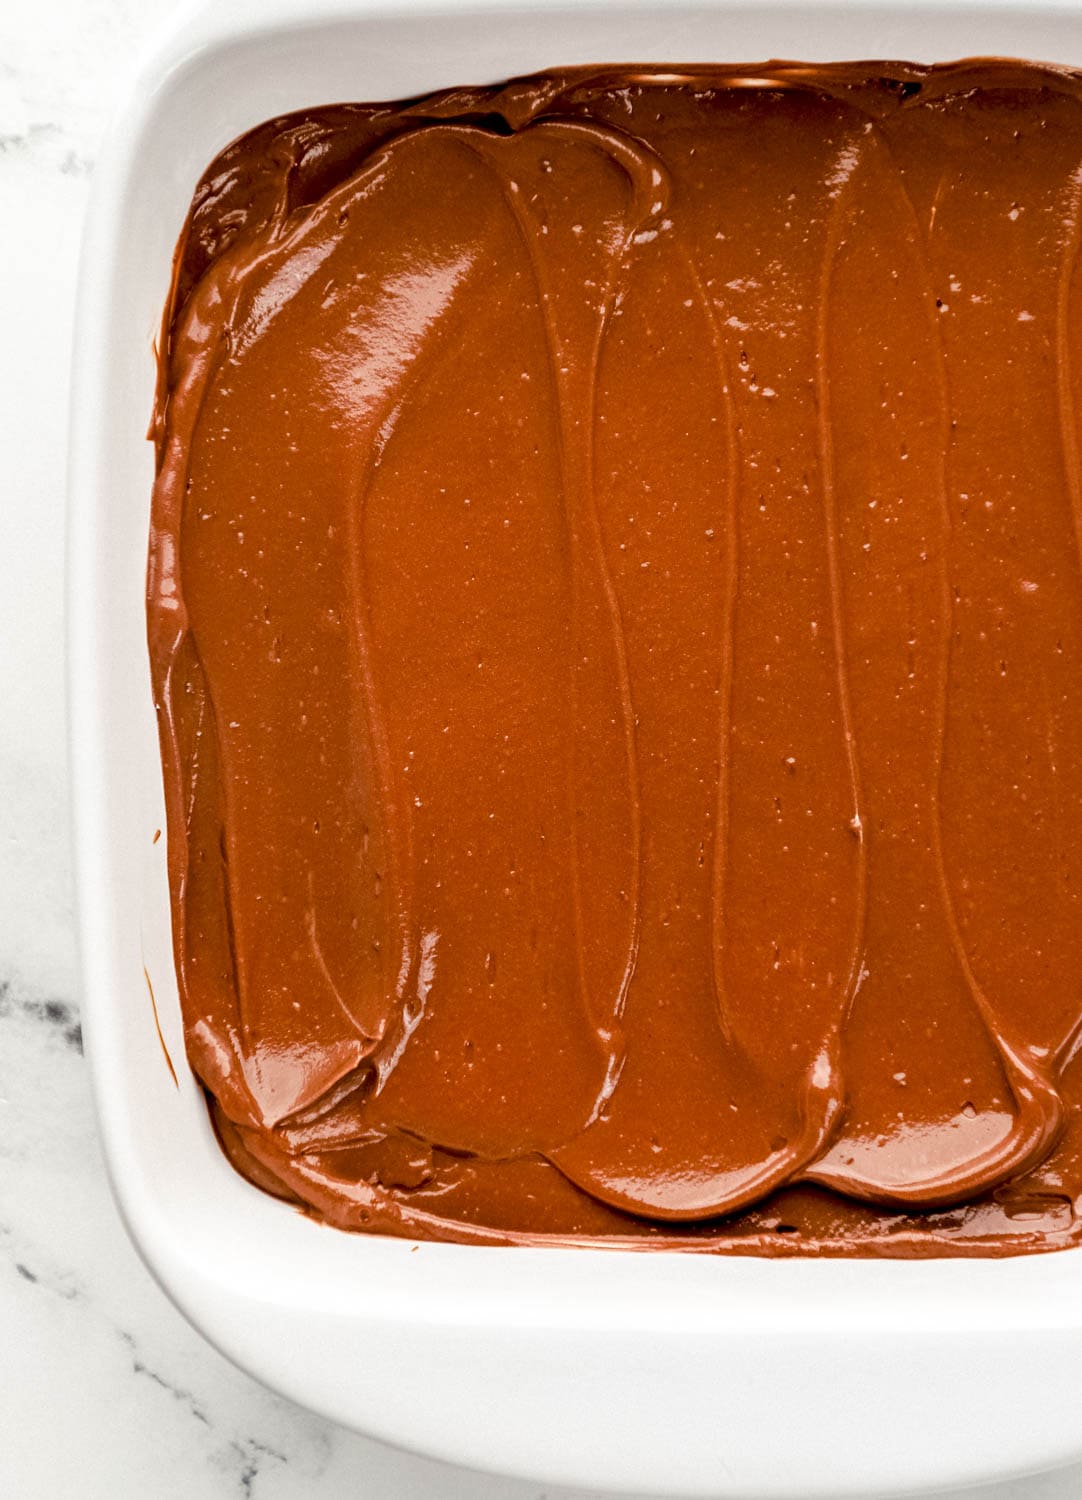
678, 1374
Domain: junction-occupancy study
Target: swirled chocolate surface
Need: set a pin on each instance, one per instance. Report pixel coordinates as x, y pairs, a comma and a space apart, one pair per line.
615, 611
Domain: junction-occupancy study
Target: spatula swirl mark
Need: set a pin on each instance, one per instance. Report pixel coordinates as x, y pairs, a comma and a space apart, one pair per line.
576, 440
1040, 1110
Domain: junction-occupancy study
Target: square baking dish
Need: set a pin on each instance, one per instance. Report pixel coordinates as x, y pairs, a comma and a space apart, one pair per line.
664, 1372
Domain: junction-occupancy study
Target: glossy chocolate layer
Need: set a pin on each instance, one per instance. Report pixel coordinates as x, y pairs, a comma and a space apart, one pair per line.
616, 623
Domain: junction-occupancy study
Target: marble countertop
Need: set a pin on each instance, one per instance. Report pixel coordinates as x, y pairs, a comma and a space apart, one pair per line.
105, 1392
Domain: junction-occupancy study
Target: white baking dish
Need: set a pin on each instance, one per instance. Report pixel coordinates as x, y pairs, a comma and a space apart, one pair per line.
680, 1374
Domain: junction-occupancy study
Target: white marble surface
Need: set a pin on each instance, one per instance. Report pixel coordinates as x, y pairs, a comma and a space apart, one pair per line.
105, 1393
